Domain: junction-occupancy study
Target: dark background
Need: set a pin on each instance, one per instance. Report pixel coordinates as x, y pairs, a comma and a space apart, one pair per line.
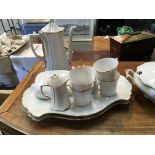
109, 26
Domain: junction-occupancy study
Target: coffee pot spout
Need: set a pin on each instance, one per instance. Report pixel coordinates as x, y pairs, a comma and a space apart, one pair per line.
69, 51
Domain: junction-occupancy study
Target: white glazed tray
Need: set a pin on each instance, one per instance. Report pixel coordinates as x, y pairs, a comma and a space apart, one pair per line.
39, 109
146, 72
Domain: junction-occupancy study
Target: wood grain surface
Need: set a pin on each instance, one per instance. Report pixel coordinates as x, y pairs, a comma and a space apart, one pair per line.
136, 118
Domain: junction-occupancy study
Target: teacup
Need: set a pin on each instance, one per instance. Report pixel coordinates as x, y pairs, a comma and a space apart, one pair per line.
109, 88
82, 78
82, 98
106, 69
81, 83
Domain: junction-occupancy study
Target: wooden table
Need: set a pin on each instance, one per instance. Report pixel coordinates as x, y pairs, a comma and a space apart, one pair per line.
136, 118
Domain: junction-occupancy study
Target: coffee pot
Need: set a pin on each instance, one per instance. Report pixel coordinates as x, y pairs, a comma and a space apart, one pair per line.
55, 55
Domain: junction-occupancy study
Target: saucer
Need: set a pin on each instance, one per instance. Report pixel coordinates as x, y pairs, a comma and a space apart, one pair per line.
39, 109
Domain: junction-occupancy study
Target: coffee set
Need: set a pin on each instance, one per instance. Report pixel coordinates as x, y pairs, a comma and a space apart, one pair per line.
73, 93
82, 93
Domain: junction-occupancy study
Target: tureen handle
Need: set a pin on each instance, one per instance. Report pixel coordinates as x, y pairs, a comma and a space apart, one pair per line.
130, 74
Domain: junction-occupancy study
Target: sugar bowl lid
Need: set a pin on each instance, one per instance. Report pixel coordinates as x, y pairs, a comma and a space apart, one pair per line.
57, 80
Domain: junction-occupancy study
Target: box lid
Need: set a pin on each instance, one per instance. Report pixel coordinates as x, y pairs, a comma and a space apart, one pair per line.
137, 36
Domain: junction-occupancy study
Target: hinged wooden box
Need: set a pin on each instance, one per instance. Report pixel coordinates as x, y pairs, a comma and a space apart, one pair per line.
137, 46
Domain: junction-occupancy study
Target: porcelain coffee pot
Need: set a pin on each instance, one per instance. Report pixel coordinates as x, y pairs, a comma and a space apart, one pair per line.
58, 92
55, 55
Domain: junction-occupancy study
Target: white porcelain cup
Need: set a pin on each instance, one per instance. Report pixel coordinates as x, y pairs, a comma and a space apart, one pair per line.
82, 78
81, 83
106, 69
82, 98
109, 88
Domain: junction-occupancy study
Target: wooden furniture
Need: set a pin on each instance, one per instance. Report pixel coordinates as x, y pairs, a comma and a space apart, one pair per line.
4, 94
138, 46
136, 118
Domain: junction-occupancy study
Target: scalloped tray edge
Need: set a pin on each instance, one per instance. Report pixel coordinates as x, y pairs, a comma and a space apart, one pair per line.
76, 118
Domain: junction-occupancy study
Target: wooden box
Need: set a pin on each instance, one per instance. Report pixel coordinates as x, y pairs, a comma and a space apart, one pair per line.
137, 46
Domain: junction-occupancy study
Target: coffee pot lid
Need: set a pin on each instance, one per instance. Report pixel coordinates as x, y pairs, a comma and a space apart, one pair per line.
51, 28
57, 80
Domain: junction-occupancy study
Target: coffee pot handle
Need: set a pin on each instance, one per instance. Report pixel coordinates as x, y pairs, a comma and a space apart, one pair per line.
69, 50
41, 89
31, 36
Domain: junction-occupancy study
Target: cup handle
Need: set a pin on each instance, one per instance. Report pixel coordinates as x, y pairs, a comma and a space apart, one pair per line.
130, 74
41, 88
97, 84
69, 92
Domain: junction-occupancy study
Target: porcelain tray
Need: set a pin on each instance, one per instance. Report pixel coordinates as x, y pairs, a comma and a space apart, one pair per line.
39, 109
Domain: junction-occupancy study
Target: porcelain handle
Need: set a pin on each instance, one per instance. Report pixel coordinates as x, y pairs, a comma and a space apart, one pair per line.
41, 88
69, 89
69, 51
97, 85
130, 74
31, 36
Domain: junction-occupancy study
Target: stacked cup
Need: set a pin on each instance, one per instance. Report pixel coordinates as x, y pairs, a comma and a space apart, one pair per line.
107, 75
81, 83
